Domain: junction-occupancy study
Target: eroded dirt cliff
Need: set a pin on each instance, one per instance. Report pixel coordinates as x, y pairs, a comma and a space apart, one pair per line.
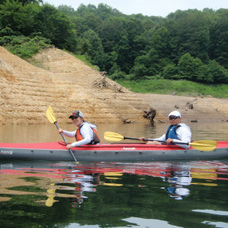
65, 83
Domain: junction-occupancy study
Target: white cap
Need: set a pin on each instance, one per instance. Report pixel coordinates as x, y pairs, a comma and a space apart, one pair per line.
182, 191
174, 113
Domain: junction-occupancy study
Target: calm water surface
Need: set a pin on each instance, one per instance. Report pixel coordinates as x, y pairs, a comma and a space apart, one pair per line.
48, 133
153, 194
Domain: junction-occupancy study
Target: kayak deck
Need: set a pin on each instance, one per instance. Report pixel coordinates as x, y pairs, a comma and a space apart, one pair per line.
108, 146
108, 152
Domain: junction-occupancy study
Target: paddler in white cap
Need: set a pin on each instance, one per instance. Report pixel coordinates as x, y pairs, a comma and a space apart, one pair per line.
176, 132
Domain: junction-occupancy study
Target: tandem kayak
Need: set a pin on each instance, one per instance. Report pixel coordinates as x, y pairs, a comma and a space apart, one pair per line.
56, 151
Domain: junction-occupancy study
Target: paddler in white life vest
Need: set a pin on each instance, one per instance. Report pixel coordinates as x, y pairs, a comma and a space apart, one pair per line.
85, 134
176, 132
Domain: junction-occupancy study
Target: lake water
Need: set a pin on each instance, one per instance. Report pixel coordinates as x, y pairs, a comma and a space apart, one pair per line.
149, 194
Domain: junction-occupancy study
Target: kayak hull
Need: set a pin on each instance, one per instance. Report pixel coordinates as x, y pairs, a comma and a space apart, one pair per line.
55, 151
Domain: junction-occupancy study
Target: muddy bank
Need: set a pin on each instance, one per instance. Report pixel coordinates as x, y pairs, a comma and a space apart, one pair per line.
192, 108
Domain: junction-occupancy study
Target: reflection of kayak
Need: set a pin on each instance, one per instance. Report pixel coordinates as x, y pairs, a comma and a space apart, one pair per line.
55, 151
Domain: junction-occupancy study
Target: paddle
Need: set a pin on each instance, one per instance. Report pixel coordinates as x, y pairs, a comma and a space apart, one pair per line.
204, 145
51, 117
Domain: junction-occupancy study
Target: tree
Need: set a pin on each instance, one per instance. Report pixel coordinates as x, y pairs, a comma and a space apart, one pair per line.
190, 68
116, 73
114, 40
146, 65
133, 42
24, 2
57, 27
171, 72
189, 33
18, 17
110, 32
219, 38
216, 73
67, 10
93, 21
104, 11
122, 50
160, 41
94, 47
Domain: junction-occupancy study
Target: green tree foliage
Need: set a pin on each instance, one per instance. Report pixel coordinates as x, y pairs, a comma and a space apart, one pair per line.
25, 47
160, 42
57, 27
190, 68
189, 33
24, 2
157, 57
67, 10
93, 47
219, 38
216, 73
18, 17
133, 43
171, 72
146, 65
114, 40
190, 45
46, 20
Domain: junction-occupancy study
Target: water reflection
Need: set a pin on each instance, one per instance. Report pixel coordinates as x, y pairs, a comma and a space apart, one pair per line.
177, 181
73, 185
62, 180
113, 194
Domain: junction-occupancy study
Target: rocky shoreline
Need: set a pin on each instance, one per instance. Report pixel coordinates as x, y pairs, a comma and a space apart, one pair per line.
194, 109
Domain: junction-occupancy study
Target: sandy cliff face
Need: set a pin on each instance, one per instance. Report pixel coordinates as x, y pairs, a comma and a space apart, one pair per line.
65, 83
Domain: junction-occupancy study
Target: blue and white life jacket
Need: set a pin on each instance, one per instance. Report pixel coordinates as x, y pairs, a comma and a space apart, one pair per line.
171, 132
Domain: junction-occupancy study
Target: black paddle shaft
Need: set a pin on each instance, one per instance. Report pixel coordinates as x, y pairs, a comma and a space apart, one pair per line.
154, 140
66, 142
131, 138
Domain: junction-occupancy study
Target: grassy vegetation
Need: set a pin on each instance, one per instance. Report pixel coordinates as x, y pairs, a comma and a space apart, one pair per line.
24, 47
86, 61
180, 87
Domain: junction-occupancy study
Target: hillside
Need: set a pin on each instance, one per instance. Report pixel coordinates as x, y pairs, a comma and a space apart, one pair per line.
65, 83
68, 84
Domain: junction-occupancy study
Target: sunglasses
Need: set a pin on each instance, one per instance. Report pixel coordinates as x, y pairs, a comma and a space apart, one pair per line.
173, 117
74, 118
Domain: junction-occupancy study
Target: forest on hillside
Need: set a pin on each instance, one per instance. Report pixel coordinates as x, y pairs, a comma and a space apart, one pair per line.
190, 45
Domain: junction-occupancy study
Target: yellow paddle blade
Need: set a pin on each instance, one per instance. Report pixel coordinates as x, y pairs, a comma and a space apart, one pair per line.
204, 145
208, 142
51, 110
50, 115
112, 184
112, 136
50, 200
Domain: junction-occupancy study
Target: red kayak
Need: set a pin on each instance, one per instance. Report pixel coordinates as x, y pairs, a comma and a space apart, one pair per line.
55, 151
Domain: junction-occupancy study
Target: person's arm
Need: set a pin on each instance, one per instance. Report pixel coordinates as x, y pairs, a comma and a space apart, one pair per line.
67, 133
70, 134
162, 138
184, 135
154, 141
